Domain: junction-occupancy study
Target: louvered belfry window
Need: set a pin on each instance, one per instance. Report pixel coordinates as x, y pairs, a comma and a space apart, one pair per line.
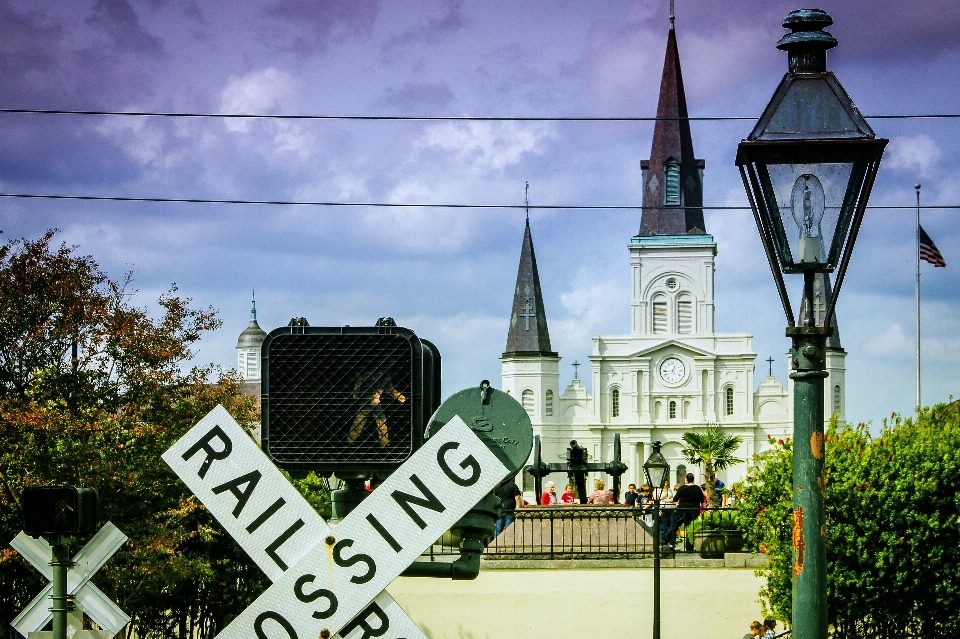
526, 398
548, 403
660, 316
684, 315
671, 188
615, 402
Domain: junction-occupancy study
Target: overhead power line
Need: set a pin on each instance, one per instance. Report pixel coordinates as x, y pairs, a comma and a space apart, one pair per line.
411, 205
431, 118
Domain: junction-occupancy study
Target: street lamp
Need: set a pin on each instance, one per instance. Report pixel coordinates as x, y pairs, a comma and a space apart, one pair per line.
808, 167
657, 472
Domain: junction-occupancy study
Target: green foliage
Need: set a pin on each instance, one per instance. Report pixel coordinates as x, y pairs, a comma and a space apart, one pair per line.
711, 446
892, 532
104, 417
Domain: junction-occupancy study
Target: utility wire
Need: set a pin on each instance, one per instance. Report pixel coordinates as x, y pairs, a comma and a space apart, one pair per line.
426, 205
464, 118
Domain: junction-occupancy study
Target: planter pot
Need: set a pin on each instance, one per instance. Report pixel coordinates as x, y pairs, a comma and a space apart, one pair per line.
711, 544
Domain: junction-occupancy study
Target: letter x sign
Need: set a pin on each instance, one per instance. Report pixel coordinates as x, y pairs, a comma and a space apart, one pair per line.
331, 579
91, 557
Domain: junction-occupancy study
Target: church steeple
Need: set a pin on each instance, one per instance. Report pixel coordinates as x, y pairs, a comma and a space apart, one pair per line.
528, 334
672, 178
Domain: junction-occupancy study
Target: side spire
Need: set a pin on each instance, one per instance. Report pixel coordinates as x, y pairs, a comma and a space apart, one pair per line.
528, 334
672, 182
253, 305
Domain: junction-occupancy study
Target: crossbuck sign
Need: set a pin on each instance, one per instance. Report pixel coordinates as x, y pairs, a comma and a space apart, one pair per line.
331, 579
91, 557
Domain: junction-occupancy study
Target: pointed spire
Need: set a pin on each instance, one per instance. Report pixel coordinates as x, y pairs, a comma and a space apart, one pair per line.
673, 187
253, 303
528, 333
252, 336
821, 293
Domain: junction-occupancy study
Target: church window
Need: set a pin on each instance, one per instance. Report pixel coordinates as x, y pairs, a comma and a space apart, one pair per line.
729, 400
526, 399
672, 283
671, 193
673, 410
684, 315
659, 315
836, 399
615, 402
548, 404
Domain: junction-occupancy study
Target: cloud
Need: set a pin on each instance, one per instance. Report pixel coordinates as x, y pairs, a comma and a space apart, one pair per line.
486, 146
918, 153
310, 26
413, 96
263, 91
892, 341
121, 24
432, 32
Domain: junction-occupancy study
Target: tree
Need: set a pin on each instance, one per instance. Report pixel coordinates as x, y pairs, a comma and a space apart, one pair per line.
892, 531
93, 390
711, 446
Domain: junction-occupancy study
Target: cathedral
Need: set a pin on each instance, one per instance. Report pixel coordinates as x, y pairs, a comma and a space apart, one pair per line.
672, 372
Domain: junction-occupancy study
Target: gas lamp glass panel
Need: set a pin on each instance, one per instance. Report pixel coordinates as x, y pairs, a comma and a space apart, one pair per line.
809, 199
672, 370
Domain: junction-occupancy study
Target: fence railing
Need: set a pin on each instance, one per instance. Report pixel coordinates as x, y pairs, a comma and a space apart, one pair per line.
592, 532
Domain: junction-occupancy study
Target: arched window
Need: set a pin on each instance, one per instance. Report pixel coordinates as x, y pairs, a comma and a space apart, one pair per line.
836, 399
548, 404
684, 314
671, 190
526, 399
673, 410
660, 314
729, 400
615, 402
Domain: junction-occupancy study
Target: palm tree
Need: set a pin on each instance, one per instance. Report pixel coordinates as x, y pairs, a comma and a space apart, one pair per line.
711, 446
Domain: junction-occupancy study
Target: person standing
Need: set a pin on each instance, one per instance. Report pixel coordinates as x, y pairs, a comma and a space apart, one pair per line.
631, 498
569, 495
600, 496
550, 498
688, 499
509, 495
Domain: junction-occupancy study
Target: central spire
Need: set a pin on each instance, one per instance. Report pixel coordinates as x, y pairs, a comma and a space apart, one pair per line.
672, 179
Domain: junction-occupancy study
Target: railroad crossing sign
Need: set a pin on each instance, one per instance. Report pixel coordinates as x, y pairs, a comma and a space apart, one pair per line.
89, 598
331, 579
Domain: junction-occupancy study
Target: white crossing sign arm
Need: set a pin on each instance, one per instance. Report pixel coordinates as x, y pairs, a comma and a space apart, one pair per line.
261, 510
383, 535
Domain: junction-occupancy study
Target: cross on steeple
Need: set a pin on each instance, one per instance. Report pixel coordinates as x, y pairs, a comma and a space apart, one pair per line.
770, 362
527, 312
576, 369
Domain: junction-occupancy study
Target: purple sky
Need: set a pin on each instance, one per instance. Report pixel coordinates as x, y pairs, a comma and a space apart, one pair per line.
449, 275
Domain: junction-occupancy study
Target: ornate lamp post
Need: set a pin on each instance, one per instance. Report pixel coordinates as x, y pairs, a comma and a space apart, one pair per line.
657, 472
808, 168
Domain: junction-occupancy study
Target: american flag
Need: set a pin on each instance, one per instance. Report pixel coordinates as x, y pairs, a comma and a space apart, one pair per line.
928, 250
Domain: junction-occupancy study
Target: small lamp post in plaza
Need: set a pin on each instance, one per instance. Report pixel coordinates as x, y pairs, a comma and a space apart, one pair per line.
808, 167
657, 472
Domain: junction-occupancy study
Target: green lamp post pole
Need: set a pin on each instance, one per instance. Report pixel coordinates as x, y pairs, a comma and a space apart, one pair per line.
808, 168
657, 472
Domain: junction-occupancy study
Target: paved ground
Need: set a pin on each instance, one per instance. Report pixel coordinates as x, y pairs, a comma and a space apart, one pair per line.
580, 603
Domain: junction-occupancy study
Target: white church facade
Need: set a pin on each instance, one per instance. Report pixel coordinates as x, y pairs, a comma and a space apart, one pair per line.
672, 371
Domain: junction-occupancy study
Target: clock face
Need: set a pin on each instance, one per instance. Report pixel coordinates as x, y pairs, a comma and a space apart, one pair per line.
672, 370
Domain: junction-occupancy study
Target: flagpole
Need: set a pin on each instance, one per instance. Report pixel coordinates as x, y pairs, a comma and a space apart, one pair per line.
917, 187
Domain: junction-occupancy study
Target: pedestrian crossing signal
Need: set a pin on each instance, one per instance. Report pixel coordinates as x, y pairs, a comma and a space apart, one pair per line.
59, 510
346, 399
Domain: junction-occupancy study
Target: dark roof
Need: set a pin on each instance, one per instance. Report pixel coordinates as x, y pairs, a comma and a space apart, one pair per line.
672, 142
821, 293
252, 336
528, 333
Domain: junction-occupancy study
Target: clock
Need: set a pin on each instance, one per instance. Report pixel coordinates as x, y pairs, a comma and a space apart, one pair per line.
672, 370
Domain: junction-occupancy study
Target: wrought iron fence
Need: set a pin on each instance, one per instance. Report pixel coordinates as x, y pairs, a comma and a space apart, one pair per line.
594, 532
